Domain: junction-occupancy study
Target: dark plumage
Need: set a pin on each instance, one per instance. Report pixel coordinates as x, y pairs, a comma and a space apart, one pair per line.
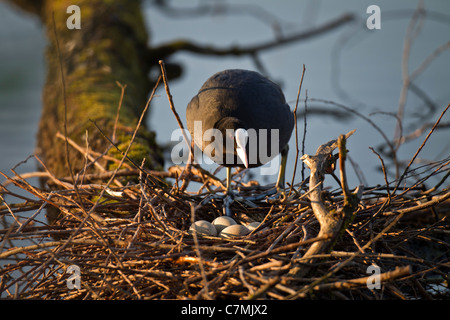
234, 99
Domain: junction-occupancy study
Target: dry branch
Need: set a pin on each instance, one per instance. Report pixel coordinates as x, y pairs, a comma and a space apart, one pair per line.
142, 249
81, 87
362, 282
138, 247
189, 46
331, 223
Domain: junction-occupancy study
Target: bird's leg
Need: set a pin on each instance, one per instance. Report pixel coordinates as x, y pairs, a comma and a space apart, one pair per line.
282, 171
228, 191
276, 193
229, 196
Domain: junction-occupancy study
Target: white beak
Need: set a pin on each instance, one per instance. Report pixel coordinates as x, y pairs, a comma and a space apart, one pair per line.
241, 136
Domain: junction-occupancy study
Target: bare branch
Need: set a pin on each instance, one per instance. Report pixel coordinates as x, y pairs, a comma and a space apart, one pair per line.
330, 223
189, 46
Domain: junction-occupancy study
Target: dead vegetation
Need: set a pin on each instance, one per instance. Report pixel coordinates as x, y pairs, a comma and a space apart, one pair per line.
131, 241
125, 233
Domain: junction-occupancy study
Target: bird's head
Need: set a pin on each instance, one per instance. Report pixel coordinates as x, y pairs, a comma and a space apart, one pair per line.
234, 131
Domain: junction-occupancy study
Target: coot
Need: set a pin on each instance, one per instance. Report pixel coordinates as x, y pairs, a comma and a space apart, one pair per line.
239, 118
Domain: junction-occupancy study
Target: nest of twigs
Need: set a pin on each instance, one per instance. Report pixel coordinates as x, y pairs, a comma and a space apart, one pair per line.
132, 242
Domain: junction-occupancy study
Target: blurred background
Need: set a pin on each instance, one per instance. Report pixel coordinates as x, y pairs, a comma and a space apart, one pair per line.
350, 66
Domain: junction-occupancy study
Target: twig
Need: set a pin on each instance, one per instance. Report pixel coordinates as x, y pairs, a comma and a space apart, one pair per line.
125, 153
17, 250
177, 117
122, 93
66, 145
352, 283
353, 256
143, 250
384, 172
264, 288
296, 131
304, 132
200, 260
61, 69
420, 149
329, 223
184, 45
373, 124
436, 200
91, 211
429, 59
34, 215
418, 13
169, 96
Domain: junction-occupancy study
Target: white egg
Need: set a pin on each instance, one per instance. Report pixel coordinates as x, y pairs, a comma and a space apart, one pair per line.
253, 225
236, 230
222, 222
203, 227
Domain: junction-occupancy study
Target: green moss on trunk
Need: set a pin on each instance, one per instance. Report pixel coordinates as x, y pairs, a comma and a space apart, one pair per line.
110, 46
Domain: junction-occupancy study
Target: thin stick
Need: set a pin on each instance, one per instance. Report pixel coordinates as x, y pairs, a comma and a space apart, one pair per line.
383, 277
296, 131
264, 288
197, 251
34, 215
409, 37
125, 154
66, 145
82, 150
420, 148
169, 96
436, 200
17, 250
61, 68
384, 173
184, 45
429, 59
344, 263
389, 143
180, 124
93, 208
304, 133
122, 93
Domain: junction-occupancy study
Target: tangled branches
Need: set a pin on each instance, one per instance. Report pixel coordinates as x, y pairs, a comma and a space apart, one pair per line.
133, 242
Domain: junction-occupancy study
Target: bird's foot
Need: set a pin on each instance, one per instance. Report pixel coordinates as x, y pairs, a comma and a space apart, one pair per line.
231, 197
273, 195
228, 199
279, 196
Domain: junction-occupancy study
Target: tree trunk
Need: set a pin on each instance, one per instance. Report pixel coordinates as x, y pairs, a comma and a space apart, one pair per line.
109, 47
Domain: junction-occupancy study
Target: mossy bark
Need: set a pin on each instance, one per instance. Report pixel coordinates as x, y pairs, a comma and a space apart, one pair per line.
109, 47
